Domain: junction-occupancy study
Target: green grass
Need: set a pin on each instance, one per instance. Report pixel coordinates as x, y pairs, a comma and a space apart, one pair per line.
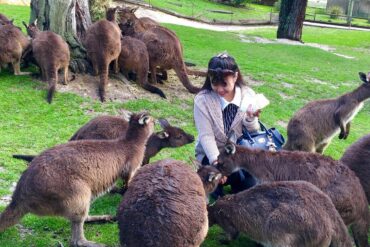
29, 125
199, 9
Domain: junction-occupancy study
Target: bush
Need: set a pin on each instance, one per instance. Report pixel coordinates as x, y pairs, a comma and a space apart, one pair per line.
277, 5
97, 8
335, 12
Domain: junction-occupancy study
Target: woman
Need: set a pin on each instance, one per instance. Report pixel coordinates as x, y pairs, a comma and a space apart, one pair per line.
221, 106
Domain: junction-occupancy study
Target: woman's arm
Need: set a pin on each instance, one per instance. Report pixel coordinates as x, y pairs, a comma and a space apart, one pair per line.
205, 134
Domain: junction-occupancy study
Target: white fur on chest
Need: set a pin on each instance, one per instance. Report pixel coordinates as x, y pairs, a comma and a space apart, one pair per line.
352, 114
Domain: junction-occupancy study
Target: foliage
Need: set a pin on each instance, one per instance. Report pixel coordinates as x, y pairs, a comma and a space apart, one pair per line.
277, 5
335, 11
98, 8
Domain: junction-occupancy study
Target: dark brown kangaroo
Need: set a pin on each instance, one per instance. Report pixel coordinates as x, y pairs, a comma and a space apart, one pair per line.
103, 45
64, 179
164, 49
110, 127
13, 43
357, 158
331, 176
313, 126
288, 213
165, 205
51, 53
134, 58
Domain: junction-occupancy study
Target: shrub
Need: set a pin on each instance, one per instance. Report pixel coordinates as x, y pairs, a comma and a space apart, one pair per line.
97, 8
277, 5
335, 12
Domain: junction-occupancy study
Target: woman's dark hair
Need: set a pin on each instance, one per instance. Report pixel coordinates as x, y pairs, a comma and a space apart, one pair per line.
219, 67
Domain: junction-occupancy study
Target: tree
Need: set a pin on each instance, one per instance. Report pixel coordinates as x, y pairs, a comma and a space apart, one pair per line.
68, 18
291, 17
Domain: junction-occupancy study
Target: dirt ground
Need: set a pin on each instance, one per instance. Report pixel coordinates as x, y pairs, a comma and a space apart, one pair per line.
120, 89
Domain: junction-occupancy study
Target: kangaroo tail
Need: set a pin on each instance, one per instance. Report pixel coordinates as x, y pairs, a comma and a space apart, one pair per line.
28, 158
11, 216
52, 83
181, 73
142, 80
103, 80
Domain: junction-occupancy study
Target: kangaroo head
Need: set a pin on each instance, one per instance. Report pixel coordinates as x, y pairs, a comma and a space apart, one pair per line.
32, 29
140, 124
210, 177
365, 78
110, 13
173, 136
227, 159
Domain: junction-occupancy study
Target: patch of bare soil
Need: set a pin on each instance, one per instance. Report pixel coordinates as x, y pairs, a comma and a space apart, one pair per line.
120, 89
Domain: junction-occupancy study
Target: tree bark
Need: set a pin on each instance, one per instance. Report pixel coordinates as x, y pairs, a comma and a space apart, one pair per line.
68, 18
291, 17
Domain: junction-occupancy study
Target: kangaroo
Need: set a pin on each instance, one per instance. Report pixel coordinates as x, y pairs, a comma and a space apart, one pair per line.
164, 49
165, 205
357, 158
332, 177
51, 53
110, 127
288, 213
313, 126
134, 58
13, 43
103, 45
64, 179
4, 20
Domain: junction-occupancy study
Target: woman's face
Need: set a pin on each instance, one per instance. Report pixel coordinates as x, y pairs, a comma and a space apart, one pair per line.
228, 89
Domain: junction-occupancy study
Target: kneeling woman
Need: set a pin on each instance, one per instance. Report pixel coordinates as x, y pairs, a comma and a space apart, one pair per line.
219, 108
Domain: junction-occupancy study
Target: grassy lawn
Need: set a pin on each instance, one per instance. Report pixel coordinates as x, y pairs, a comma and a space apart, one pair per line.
289, 76
200, 10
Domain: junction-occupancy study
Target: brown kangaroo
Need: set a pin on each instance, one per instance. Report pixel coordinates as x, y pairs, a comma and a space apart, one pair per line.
13, 43
287, 213
63, 180
313, 126
51, 53
164, 49
134, 58
331, 176
103, 45
165, 205
357, 158
110, 127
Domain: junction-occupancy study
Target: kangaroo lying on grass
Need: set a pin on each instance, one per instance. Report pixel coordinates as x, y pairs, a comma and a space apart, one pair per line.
288, 213
103, 45
64, 179
51, 53
357, 158
110, 127
164, 48
13, 43
313, 126
165, 205
134, 58
332, 177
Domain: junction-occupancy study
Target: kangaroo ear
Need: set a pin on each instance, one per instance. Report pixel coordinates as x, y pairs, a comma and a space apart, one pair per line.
230, 148
24, 24
212, 176
163, 135
363, 77
164, 123
144, 119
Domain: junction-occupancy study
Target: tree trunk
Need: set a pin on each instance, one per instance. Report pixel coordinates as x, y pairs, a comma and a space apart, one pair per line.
291, 17
68, 18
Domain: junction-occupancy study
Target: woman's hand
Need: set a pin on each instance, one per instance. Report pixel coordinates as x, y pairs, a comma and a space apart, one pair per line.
253, 113
223, 180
